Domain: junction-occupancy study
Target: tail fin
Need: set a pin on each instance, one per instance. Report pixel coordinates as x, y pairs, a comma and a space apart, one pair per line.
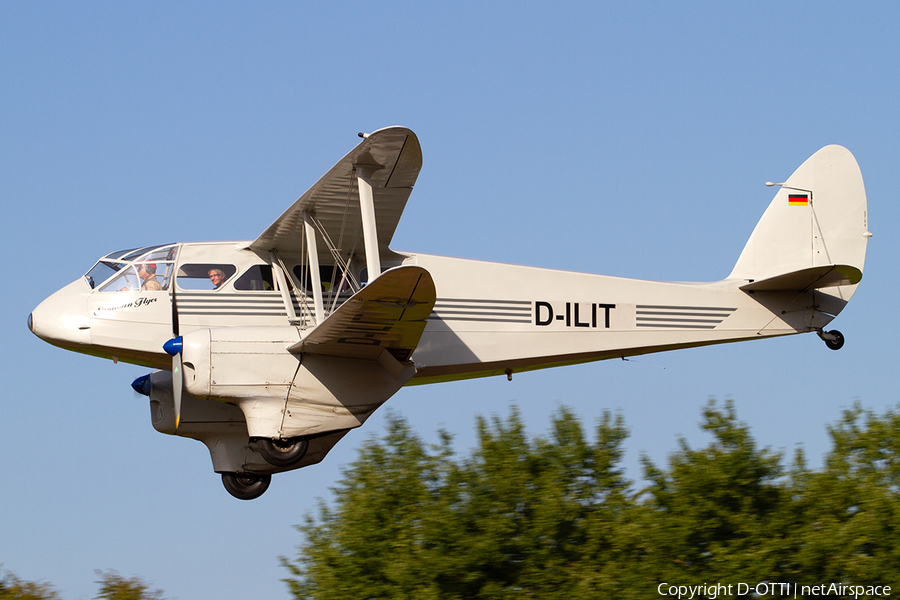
814, 233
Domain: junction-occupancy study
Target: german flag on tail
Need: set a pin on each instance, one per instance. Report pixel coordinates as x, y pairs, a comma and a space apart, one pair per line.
798, 200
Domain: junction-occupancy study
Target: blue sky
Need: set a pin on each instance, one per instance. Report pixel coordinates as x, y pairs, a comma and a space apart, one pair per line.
627, 139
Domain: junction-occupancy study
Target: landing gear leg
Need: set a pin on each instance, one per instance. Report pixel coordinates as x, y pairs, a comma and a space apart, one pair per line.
246, 486
834, 339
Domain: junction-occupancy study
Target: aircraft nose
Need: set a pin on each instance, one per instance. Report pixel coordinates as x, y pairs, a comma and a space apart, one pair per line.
62, 318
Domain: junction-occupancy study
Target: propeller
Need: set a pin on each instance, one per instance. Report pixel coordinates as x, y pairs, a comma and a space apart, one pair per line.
173, 349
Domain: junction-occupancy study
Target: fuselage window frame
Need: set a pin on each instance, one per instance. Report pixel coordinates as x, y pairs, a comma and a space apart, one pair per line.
198, 277
256, 278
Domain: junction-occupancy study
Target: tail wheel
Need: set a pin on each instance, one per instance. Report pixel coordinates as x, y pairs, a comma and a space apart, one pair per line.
282, 453
246, 486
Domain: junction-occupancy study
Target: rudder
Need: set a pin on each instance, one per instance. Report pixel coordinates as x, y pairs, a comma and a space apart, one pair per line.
818, 218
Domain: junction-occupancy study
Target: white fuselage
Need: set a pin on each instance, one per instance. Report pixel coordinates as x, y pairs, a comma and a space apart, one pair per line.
488, 319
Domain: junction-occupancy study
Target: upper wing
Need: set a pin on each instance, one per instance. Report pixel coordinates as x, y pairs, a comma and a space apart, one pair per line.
388, 314
334, 200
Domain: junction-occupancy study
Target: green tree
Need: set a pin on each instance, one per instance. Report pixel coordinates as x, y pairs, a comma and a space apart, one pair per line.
512, 519
718, 513
849, 513
13, 588
555, 517
112, 587
379, 538
115, 587
539, 510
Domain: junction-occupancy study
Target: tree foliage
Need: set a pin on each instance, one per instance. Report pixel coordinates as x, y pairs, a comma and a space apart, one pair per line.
13, 588
848, 515
115, 587
555, 517
112, 587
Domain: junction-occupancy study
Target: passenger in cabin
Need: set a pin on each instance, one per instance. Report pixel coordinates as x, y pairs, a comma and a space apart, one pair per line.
147, 273
217, 277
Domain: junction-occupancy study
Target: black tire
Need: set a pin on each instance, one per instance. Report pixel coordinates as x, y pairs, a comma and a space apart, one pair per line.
245, 486
282, 453
838, 342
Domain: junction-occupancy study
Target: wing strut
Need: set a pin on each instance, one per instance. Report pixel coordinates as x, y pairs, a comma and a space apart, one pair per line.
279, 271
367, 210
315, 276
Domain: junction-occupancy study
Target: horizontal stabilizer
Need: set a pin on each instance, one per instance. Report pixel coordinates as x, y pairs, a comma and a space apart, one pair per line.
390, 314
804, 280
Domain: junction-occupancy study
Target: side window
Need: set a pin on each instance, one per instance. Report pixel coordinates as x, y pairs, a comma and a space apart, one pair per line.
204, 276
330, 276
256, 278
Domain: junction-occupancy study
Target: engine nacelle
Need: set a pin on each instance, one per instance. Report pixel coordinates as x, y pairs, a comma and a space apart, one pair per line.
232, 363
283, 395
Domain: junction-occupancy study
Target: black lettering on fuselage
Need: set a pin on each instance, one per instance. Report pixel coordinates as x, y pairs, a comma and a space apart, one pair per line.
577, 322
544, 314
538, 320
608, 308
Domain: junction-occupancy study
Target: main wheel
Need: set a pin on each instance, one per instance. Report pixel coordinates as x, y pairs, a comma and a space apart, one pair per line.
838, 342
245, 486
282, 453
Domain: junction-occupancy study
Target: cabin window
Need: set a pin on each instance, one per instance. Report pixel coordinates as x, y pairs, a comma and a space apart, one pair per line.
256, 278
204, 276
330, 276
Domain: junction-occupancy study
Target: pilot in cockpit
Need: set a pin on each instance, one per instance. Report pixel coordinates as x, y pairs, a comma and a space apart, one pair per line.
147, 273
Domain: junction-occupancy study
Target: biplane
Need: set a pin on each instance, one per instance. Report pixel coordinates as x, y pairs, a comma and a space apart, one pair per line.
270, 351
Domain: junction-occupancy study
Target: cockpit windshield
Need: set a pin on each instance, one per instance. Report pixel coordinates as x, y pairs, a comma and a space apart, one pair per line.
103, 270
146, 269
